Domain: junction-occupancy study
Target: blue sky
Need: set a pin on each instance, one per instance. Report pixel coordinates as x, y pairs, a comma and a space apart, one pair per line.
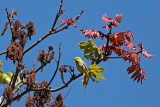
141, 17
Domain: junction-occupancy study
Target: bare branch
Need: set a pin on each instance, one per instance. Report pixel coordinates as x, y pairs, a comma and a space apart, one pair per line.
9, 19
50, 33
57, 16
57, 89
15, 77
39, 89
4, 52
57, 66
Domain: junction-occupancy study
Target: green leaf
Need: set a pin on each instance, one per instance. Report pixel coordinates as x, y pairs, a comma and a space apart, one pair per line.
95, 67
5, 78
91, 51
9, 74
83, 45
96, 78
1, 63
93, 70
99, 75
86, 51
1, 71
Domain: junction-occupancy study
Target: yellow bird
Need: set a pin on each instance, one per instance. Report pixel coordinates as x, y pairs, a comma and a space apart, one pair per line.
81, 66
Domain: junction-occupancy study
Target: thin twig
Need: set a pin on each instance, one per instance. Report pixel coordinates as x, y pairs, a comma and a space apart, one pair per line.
3, 52
18, 88
107, 44
57, 16
115, 57
57, 89
9, 19
15, 77
1, 100
67, 93
56, 67
59, 26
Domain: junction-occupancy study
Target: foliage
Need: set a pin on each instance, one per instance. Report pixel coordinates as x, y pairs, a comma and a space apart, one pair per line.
94, 53
114, 43
5, 78
93, 70
16, 88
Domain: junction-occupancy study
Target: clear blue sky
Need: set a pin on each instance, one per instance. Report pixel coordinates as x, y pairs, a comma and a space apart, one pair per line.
141, 17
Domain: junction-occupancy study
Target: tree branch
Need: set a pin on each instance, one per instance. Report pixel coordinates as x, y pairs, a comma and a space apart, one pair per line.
57, 89
57, 16
39, 89
56, 67
15, 77
115, 57
9, 19
50, 33
17, 97
4, 52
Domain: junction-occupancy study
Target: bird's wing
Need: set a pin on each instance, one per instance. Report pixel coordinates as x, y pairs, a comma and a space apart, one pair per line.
84, 65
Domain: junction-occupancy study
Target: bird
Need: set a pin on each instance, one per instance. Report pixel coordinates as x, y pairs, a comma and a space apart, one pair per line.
81, 66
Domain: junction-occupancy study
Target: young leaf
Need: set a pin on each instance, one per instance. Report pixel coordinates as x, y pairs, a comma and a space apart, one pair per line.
1, 71
96, 78
95, 67
93, 70
91, 49
1, 63
99, 75
5, 78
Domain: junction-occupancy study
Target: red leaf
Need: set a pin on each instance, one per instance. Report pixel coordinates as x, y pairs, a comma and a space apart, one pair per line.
105, 19
128, 35
131, 56
135, 77
107, 27
92, 33
103, 47
130, 45
117, 20
139, 73
117, 39
144, 52
132, 68
69, 21
113, 22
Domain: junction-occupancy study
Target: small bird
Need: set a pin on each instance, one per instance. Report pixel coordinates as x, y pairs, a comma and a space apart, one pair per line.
81, 66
